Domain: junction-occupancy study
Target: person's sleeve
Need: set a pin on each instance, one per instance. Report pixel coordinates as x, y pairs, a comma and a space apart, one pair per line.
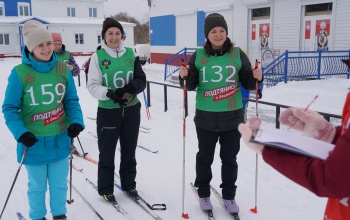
12, 105
246, 76
94, 84
138, 82
193, 75
325, 178
71, 103
76, 68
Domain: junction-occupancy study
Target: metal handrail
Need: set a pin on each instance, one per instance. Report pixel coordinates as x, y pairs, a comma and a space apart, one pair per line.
278, 107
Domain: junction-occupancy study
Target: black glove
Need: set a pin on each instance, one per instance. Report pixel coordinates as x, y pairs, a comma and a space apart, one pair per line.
259, 94
28, 139
120, 92
111, 94
74, 130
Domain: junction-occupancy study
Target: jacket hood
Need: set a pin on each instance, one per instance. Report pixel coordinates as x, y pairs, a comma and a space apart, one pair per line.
43, 67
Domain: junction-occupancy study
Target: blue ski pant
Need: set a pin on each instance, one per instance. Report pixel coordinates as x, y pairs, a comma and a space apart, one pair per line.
39, 176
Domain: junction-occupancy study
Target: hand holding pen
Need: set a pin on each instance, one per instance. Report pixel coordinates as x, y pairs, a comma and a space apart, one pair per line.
309, 122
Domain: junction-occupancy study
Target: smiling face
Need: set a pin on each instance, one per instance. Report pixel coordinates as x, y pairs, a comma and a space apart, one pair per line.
217, 37
43, 51
113, 37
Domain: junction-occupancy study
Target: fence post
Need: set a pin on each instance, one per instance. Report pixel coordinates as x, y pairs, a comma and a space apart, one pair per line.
286, 67
319, 64
278, 112
165, 68
165, 98
148, 94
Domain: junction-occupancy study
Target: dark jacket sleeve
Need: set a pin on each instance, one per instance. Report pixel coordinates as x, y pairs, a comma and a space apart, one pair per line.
326, 178
246, 76
192, 77
138, 83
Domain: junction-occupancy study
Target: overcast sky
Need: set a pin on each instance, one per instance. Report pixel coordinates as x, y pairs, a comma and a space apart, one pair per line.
135, 8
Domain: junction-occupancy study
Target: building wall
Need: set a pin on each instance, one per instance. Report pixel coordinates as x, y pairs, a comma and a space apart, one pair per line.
44, 8
54, 13
342, 25
11, 8
286, 23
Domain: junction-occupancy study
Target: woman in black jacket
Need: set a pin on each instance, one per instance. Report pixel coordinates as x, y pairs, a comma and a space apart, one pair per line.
216, 71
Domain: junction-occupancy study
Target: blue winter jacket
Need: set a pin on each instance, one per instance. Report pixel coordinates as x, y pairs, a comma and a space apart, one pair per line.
48, 149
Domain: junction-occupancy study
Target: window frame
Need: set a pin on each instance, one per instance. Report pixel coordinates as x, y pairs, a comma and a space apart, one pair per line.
79, 39
92, 12
2, 5
3, 39
70, 10
23, 6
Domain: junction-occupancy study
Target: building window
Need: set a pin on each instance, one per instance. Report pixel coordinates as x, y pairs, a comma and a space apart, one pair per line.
92, 12
79, 38
319, 9
261, 13
4, 39
71, 12
99, 39
2, 9
23, 9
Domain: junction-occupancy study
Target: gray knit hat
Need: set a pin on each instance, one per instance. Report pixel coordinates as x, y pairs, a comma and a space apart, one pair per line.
35, 33
214, 20
108, 23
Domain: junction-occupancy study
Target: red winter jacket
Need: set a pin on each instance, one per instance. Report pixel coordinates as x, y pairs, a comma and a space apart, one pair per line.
326, 178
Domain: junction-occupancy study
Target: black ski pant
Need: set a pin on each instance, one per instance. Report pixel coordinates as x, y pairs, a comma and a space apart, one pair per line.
229, 148
114, 124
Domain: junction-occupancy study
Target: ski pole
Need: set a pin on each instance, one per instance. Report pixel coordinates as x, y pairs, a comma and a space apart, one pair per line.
146, 105
70, 201
14, 181
185, 216
84, 154
255, 209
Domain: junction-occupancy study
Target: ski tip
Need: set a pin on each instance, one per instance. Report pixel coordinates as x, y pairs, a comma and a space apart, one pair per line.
254, 210
185, 216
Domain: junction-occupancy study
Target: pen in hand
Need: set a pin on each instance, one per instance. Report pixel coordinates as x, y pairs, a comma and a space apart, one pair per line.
296, 119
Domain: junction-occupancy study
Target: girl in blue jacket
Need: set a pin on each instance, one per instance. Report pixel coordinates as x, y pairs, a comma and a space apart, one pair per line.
42, 111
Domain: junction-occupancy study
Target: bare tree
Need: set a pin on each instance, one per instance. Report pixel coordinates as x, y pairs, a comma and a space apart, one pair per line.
141, 31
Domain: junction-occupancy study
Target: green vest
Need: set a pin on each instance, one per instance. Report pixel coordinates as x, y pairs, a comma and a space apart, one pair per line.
42, 110
116, 73
64, 57
218, 84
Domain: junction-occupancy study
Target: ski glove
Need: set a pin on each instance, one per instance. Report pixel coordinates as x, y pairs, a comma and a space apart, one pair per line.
246, 131
308, 122
28, 139
74, 130
120, 92
111, 94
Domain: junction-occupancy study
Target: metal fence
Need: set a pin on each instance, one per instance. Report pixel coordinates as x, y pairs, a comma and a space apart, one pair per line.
278, 107
291, 65
296, 65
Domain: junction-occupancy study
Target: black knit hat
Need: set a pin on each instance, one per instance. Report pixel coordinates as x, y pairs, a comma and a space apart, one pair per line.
110, 22
214, 20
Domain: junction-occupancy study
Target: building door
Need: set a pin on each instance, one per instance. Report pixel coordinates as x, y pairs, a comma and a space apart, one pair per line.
317, 27
260, 33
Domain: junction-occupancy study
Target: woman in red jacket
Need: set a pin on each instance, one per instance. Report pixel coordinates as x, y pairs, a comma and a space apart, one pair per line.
326, 178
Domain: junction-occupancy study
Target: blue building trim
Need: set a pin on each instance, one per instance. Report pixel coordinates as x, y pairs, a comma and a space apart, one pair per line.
200, 28
163, 30
11, 7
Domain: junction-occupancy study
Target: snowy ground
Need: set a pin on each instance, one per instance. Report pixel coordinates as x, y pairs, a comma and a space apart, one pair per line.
159, 178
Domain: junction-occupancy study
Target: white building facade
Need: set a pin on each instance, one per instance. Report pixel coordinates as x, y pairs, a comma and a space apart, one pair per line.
78, 21
253, 25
